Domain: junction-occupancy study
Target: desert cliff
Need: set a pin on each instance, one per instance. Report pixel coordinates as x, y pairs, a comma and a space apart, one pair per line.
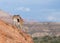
10, 34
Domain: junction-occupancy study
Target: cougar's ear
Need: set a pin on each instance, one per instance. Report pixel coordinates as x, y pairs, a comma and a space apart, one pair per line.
14, 16
18, 15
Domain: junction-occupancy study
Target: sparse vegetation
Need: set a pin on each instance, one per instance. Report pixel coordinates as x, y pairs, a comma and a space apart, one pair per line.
47, 39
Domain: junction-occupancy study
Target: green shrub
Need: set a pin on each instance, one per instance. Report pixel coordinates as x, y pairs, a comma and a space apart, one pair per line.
47, 39
35, 38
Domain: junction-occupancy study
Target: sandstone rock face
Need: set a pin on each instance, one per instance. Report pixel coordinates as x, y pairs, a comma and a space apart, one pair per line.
10, 34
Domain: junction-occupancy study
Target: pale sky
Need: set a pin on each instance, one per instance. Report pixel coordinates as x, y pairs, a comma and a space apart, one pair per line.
39, 10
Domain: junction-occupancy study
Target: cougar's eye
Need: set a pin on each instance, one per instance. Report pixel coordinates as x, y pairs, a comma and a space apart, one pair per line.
18, 20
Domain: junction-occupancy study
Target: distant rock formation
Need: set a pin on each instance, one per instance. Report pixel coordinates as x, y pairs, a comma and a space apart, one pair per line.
10, 34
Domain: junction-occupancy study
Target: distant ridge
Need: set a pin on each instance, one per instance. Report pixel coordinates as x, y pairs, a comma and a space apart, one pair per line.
5, 16
3, 13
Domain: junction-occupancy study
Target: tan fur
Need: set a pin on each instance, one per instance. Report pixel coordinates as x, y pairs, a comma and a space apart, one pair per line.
16, 23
